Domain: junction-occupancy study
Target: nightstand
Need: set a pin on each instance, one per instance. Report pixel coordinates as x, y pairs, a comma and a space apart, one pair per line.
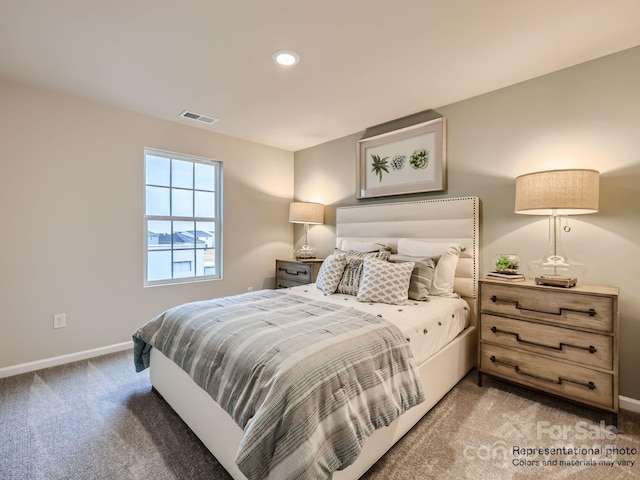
291, 272
563, 341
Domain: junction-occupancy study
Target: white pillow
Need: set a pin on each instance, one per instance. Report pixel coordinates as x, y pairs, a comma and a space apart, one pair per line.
331, 272
445, 272
360, 246
384, 282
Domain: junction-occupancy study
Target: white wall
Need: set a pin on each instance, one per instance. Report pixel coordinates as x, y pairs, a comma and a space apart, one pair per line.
71, 203
585, 116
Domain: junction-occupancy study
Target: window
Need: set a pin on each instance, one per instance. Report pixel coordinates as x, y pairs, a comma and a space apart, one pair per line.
183, 204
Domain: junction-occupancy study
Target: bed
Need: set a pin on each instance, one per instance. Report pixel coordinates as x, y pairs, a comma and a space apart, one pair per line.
440, 363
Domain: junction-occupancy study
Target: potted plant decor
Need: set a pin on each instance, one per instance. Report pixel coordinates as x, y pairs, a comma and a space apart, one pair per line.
507, 263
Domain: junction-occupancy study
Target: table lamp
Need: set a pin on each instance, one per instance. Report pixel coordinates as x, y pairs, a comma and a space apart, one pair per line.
557, 193
307, 213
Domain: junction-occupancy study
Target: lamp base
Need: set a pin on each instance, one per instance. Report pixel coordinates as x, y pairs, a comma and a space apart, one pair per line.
556, 281
305, 252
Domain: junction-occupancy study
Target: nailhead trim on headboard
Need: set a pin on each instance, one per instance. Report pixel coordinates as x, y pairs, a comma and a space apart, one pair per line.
395, 225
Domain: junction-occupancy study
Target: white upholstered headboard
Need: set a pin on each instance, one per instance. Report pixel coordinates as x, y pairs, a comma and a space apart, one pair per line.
446, 220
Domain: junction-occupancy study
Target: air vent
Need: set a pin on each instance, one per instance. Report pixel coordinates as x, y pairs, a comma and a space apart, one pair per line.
198, 117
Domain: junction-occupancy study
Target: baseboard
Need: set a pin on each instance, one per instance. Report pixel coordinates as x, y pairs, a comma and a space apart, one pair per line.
631, 404
626, 403
62, 359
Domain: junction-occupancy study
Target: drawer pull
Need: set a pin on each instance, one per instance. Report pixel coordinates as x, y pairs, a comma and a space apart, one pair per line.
560, 381
591, 312
294, 272
590, 348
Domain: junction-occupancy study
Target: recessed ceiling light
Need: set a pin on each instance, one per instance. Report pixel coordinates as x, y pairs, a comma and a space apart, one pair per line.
285, 57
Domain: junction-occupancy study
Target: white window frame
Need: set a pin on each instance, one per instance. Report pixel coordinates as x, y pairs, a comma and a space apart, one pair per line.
217, 219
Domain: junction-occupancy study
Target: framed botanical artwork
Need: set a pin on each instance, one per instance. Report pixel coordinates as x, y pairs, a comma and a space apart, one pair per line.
408, 160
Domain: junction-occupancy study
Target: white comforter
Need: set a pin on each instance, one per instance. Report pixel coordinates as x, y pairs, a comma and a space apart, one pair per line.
428, 326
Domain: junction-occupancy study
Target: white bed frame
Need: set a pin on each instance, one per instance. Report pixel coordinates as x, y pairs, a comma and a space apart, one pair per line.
443, 220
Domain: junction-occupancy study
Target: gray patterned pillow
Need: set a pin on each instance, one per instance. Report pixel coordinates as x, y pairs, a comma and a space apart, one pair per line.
385, 282
331, 272
421, 276
350, 281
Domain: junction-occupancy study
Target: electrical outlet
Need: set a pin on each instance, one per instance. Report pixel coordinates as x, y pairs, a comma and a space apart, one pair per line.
249, 289
59, 320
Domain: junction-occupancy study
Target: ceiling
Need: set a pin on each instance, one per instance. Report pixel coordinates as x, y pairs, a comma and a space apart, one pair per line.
363, 62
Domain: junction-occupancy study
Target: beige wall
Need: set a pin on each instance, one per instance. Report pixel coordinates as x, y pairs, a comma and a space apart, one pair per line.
71, 199
586, 116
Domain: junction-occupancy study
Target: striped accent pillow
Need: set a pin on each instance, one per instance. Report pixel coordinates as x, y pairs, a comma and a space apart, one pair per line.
421, 276
350, 281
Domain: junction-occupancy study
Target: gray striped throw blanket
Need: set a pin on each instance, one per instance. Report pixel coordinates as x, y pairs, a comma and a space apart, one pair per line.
307, 381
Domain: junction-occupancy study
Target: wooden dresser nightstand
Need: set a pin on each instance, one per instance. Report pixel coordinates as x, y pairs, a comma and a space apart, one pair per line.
291, 272
562, 341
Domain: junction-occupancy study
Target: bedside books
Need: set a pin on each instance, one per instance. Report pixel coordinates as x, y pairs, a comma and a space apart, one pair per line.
507, 277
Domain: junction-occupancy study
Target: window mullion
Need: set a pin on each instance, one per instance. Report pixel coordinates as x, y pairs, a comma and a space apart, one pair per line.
193, 211
173, 273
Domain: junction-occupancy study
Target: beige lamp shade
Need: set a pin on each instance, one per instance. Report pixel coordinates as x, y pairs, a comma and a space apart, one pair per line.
558, 192
306, 212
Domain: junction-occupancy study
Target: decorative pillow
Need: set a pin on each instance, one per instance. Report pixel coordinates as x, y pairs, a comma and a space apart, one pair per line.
384, 282
331, 272
421, 276
445, 271
360, 246
350, 281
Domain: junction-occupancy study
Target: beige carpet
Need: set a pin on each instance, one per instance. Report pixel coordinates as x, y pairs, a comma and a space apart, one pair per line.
484, 433
98, 419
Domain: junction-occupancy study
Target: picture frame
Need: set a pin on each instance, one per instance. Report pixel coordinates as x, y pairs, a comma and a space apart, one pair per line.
404, 161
